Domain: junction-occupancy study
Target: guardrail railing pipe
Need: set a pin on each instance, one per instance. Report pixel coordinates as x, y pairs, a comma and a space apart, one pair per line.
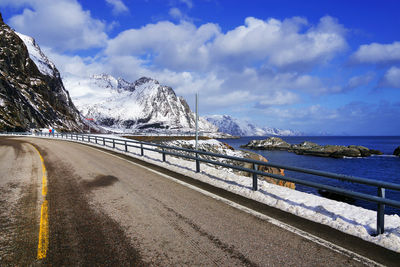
197, 163
163, 154
380, 224
255, 180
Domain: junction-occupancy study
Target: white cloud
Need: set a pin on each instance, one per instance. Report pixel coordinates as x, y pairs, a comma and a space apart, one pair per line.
357, 81
360, 80
52, 26
118, 6
278, 98
276, 43
281, 43
175, 13
391, 78
76, 65
377, 53
313, 114
176, 47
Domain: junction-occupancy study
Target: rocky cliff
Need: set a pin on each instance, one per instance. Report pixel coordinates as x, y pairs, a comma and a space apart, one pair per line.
32, 94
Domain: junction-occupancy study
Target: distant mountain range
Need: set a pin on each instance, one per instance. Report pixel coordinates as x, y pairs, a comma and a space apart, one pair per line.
142, 105
236, 127
32, 94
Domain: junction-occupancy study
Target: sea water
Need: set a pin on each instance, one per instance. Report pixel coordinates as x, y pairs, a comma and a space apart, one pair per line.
384, 167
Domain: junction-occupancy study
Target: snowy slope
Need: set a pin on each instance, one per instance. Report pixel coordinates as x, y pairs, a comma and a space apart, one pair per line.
143, 104
44, 65
233, 126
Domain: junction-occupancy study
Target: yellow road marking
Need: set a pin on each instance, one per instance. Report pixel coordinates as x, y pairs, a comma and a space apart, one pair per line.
43, 232
43, 243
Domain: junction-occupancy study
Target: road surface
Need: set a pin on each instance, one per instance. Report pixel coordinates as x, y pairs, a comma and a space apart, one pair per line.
105, 210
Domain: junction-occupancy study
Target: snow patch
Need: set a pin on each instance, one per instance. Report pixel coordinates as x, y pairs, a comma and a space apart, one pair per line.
44, 65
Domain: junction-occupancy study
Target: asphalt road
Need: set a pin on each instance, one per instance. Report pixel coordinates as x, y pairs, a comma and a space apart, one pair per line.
103, 210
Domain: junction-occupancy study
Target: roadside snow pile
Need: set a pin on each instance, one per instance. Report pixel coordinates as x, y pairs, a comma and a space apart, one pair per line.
210, 145
347, 218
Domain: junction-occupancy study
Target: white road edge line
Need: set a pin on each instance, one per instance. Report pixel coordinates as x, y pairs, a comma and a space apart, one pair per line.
257, 214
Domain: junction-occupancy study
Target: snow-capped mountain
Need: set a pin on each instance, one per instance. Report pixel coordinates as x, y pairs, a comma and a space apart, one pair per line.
233, 126
31, 91
144, 104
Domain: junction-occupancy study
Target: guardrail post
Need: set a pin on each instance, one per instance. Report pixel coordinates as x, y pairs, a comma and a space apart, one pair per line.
126, 147
113, 143
255, 180
83, 138
95, 139
141, 149
197, 163
104, 141
380, 224
163, 155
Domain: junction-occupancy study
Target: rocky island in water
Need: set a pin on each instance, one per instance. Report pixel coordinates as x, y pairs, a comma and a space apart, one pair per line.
397, 151
312, 149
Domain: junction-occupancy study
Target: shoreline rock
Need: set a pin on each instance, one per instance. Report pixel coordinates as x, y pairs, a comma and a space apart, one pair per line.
312, 149
396, 152
255, 156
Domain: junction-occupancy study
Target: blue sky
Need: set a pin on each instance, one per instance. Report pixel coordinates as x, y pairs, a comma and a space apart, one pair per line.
313, 66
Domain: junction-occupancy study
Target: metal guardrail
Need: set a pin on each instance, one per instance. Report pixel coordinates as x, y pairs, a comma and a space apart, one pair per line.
164, 150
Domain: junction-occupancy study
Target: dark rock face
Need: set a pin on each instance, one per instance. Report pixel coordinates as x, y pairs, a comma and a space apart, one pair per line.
251, 155
397, 151
29, 98
312, 149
